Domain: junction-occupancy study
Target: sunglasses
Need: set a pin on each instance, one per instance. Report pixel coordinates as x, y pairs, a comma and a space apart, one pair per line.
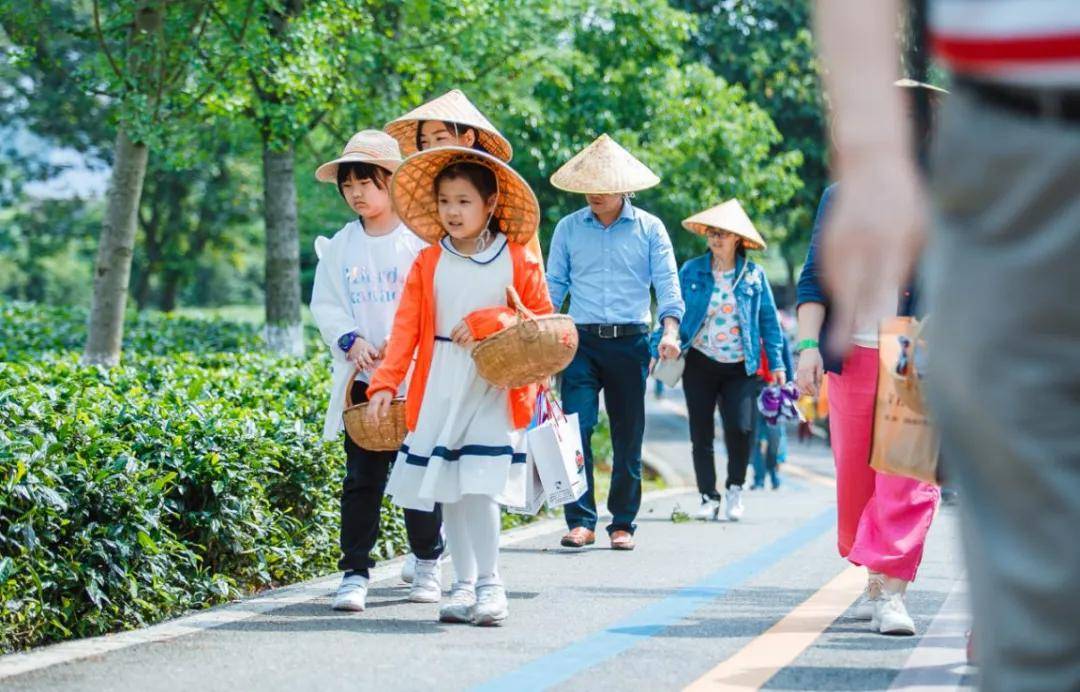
714, 233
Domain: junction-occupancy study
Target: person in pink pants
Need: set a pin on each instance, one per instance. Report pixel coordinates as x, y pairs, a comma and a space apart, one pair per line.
882, 519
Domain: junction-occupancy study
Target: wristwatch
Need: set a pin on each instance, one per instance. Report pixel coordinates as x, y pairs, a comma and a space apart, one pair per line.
805, 344
345, 341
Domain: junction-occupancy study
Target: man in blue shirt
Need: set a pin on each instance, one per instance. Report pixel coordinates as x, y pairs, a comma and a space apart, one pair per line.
606, 257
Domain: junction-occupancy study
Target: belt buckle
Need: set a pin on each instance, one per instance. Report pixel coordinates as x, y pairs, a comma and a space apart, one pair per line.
609, 331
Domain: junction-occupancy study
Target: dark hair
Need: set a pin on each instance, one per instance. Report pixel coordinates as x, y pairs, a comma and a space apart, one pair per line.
458, 130
362, 170
479, 176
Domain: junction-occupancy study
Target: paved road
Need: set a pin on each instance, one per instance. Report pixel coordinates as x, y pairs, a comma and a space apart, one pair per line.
745, 601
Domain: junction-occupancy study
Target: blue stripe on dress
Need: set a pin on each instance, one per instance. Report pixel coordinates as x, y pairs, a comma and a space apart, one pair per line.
467, 450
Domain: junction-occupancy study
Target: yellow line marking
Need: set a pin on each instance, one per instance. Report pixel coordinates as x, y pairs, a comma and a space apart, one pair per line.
812, 476
754, 664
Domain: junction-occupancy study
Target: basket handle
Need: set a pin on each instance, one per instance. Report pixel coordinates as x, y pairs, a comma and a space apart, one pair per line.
348, 387
514, 300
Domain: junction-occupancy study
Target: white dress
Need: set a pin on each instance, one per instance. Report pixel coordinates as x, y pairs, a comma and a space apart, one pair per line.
464, 442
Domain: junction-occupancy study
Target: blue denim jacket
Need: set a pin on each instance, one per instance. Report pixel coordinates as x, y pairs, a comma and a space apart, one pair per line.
755, 305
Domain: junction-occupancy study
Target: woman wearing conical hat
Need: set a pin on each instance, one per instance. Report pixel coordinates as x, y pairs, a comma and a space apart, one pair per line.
453, 120
606, 256
730, 316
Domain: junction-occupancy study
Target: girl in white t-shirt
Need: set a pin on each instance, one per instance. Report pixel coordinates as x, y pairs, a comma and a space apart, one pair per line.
358, 285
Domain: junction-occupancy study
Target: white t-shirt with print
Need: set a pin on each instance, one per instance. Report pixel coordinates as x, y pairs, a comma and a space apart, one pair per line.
374, 272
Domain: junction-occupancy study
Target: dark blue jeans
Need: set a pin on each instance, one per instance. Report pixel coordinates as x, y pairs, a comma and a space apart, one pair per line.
619, 368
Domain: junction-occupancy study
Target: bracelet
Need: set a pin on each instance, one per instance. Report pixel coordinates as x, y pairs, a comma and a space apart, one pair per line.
806, 344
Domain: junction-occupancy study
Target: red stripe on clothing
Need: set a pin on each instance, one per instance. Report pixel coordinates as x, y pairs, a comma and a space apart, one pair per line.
1044, 49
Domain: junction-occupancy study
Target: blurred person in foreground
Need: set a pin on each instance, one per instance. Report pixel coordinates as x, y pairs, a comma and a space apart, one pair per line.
1005, 372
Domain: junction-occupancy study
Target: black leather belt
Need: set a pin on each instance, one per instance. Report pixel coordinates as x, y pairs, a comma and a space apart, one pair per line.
614, 331
1047, 103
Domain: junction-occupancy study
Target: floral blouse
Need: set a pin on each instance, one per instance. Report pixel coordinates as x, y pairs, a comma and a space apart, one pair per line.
720, 337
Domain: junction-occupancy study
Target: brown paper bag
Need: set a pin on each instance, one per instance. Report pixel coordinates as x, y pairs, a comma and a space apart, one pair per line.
905, 443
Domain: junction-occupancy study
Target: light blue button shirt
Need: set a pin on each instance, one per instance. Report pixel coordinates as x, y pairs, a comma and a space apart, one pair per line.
608, 271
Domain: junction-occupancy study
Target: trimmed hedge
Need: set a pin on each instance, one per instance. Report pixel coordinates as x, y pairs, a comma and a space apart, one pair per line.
169, 483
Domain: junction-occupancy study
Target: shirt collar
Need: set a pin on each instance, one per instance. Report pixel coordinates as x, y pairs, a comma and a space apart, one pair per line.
485, 256
627, 212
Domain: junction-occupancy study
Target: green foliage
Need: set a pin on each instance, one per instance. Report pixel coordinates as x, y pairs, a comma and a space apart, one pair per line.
170, 483
176, 481
719, 98
31, 332
767, 47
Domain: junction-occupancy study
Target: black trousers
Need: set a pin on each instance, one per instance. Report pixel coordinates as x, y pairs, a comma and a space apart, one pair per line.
366, 473
708, 384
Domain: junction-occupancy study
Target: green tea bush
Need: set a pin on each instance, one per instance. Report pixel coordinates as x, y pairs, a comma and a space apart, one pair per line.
191, 474
29, 331
168, 483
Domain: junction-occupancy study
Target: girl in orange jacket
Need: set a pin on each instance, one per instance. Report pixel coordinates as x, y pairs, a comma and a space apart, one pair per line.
466, 443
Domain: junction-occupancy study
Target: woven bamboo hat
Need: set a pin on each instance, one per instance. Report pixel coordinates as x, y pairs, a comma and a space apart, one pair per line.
413, 192
730, 217
604, 168
451, 107
366, 146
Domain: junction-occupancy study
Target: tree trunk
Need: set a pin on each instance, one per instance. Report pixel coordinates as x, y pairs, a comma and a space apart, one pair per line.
284, 333
170, 290
112, 270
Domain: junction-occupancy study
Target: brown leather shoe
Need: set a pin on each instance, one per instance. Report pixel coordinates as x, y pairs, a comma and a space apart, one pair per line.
579, 538
622, 540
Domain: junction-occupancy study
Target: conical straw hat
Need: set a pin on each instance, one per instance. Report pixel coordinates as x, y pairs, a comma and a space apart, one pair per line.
451, 107
603, 168
728, 216
413, 192
366, 146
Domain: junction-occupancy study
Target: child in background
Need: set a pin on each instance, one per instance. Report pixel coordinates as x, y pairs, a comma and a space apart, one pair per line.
358, 284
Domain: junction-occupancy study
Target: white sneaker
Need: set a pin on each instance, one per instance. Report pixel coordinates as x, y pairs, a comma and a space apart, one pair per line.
351, 594
891, 616
864, 608
462, 604
491, 606
710, 509
733, 501
408, 568
427, 582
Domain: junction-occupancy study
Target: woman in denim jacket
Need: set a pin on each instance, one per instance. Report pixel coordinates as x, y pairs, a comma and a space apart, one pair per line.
730, 315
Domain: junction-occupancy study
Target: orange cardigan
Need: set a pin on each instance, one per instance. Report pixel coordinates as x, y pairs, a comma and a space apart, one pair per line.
414, 330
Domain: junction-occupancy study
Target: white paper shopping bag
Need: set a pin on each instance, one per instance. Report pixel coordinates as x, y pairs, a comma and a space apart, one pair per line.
529, 498
556, 448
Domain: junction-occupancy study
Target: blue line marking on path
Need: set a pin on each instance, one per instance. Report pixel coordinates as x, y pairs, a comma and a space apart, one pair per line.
563, 664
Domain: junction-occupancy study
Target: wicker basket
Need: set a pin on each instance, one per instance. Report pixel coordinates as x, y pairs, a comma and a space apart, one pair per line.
385, 435
531, 351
